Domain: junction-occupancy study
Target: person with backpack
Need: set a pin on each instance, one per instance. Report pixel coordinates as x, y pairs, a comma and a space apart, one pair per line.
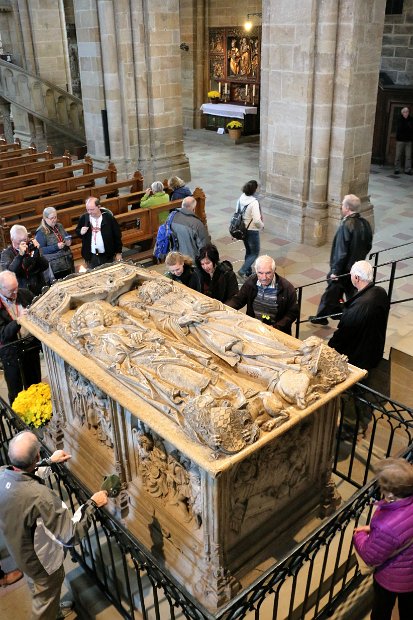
190, 232
252, 217
218, 279
181, 269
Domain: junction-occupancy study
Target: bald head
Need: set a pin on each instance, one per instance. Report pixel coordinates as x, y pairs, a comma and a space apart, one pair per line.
24, 450
8, 285
189, 203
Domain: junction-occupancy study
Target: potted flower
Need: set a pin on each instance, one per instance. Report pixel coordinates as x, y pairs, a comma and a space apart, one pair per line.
234, 129
34, 405
214, 96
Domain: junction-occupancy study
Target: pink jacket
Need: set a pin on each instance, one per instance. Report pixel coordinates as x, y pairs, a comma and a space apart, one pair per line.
391, 527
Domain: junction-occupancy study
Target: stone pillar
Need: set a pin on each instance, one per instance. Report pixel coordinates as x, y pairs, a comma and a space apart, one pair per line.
129, 61
320, 64
5, 116
23, 125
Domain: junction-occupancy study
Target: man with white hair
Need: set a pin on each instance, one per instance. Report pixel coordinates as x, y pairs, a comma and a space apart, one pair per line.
268, 297
23, 257
36, 523
404, 138
20, 358
361, 332
352, 242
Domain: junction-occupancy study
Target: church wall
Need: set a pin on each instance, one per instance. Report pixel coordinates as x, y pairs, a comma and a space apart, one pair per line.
397, 50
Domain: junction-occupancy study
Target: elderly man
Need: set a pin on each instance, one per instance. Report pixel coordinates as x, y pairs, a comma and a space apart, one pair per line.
191, 233
352, 242
36, 524
20, 358
361, 335
23, 257
404, 139
100, 233
268, 297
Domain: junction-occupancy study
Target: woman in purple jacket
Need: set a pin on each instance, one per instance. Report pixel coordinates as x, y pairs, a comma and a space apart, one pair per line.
385, 542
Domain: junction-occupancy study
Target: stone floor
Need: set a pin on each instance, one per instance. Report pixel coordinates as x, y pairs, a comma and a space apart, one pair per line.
220, 168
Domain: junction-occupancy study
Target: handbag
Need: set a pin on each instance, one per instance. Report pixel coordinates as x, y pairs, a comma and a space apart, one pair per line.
367, 569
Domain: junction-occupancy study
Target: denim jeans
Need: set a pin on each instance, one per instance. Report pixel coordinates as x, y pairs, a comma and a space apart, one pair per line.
252, 250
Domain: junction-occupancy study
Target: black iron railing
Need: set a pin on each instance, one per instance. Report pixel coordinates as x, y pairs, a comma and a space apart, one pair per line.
308, 582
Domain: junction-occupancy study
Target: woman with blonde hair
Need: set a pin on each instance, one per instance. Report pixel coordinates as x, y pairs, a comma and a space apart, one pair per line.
181, 269
179, 189
387, 543
55, 244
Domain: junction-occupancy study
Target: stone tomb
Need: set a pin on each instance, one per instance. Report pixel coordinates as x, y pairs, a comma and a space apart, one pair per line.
220, 428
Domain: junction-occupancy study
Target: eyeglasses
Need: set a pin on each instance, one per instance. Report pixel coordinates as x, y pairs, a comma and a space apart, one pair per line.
9, 291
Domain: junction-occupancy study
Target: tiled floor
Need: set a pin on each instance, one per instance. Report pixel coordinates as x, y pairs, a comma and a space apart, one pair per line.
220, 168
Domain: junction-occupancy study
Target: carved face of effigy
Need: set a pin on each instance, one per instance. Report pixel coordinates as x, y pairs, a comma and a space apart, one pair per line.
149, 291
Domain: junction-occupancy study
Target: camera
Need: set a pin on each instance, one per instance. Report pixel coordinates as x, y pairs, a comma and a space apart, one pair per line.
31, 247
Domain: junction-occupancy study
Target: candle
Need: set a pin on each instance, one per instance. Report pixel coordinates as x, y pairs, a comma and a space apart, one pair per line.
219, 87
246, 91
253, 90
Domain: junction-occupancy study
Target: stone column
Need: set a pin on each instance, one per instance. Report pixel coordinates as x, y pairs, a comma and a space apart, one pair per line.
320, 64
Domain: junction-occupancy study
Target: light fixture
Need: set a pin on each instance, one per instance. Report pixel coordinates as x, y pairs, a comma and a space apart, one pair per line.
248, 23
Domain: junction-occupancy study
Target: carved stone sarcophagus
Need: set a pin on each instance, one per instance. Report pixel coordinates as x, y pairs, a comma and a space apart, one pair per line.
220, 427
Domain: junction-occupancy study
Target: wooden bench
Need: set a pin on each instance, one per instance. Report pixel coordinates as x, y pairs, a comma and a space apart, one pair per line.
32, 163
9, 146
42, 176
27, 208
127, 216
16, 154
57, 186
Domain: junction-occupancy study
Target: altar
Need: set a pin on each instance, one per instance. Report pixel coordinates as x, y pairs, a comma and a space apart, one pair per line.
221, 442
219, 114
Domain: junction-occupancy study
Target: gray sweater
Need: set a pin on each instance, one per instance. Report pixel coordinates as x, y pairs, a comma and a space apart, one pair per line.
191, 232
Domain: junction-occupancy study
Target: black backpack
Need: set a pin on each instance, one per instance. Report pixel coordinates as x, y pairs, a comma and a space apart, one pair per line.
237, 228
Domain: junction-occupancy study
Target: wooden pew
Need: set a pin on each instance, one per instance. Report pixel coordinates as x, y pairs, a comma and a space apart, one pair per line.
22, 164
27, 208
35, 166
9, 147
57, 186
42, 176
30, 150
137, 225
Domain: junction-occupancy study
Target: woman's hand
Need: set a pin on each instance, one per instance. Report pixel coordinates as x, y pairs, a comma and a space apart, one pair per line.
61, 245
362, 528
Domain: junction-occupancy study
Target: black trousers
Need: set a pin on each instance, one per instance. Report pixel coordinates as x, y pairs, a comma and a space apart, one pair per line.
330, 299
99, 259
21, 374
384, 601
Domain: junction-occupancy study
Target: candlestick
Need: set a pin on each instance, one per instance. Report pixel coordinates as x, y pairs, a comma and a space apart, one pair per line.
219, 87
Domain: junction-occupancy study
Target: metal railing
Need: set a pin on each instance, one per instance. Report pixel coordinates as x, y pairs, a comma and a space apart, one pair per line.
391, 282
308, 582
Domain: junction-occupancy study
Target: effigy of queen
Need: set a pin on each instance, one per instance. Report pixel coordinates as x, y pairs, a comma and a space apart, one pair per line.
218, 425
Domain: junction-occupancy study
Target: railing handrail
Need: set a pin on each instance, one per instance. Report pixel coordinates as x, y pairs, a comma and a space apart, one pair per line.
395, 247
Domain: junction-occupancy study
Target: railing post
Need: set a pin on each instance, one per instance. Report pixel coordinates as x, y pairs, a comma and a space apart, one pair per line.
391, 283
299, 301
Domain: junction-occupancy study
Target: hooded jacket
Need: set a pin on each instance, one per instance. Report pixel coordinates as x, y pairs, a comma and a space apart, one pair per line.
391, 527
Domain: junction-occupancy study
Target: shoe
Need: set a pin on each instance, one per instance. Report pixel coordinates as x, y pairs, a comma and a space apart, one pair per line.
10, 578
242, 276
397, 171
65, 609
409, 172
315, 321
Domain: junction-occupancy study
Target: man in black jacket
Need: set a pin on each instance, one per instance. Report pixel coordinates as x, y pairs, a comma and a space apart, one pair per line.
19, 351
404, 139
352, 242
101, 235
361, 335
23, 257
268, 297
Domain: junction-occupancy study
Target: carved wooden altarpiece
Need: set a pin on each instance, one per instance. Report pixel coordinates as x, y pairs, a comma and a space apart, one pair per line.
221, 441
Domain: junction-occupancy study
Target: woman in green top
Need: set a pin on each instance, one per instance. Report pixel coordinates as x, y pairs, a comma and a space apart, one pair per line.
155, 195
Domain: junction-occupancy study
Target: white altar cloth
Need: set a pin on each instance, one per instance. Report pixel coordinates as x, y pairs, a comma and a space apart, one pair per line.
227, 109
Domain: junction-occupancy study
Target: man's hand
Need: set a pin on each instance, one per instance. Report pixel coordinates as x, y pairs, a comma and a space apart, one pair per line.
362, 528
60, 456
100, 498
333, 276
118, 256
61, 245
22, 248
84, 230
35, 243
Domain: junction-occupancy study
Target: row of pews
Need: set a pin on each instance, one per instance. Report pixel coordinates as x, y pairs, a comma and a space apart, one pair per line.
31, 181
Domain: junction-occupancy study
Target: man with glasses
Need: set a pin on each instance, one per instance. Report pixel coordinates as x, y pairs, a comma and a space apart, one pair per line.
19, 352
268, 297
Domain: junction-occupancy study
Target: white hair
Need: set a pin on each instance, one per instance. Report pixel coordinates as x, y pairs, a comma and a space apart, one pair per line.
157, 186
363, 270
17, 230
263, 259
